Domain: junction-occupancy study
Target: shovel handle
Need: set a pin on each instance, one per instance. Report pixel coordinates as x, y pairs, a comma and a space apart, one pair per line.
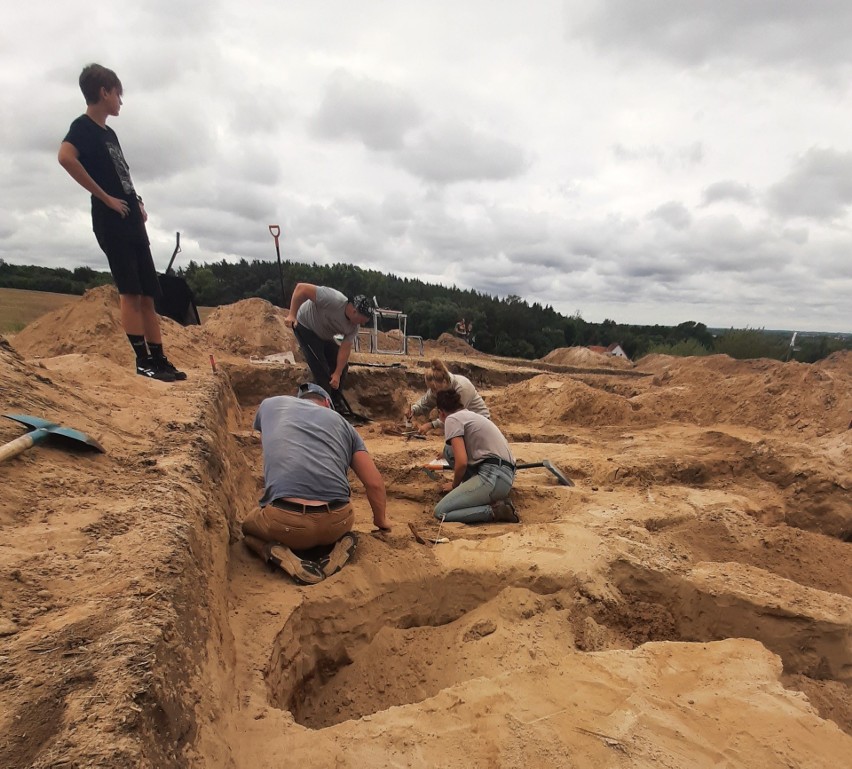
20, 445
275, 231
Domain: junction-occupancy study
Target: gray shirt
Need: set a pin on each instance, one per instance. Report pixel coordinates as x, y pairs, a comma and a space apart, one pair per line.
482, 438
469, 397
307, 450
326, 316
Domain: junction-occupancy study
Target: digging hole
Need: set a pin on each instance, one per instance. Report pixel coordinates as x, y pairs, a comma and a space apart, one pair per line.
333, 663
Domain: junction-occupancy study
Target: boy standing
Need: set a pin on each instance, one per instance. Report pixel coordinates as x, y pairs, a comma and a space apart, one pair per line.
92, 156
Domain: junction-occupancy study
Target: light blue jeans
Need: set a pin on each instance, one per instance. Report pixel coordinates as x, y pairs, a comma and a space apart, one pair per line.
470, 502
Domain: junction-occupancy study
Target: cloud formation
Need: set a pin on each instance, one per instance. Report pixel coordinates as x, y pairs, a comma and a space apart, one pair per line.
646, 162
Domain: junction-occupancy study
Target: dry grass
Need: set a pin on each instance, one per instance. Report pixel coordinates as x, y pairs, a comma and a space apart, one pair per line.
19, 308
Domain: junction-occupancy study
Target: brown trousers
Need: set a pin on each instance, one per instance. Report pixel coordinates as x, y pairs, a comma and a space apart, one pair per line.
300, 530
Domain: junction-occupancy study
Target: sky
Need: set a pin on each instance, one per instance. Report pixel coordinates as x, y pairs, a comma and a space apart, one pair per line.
643, 161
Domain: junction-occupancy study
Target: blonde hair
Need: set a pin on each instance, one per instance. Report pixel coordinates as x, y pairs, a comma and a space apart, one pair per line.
438, 376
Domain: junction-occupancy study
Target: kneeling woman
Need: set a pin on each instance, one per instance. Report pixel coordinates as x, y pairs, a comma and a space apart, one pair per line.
484, 468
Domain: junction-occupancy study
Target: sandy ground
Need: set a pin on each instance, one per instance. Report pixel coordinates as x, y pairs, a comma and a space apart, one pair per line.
687, 603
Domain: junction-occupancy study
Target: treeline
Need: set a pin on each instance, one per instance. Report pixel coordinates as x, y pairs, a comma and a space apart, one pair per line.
55, 279
507, 326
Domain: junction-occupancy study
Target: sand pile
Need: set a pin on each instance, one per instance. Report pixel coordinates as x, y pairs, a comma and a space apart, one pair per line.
762, 393
585, 358
548, 399
449, 344
250, 327
92, 324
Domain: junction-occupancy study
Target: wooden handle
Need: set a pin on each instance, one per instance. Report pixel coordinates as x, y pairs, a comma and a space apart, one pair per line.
17, 446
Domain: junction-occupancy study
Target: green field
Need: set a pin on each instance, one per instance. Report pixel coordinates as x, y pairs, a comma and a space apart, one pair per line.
19, 308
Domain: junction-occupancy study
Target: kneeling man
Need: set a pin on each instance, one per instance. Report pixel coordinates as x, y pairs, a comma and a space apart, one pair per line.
307, 451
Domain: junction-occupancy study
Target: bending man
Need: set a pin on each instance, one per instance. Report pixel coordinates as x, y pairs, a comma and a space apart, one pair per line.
307, 451
484, 468
316, 314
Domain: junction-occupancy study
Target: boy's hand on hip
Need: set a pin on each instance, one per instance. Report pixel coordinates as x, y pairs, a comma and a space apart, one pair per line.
118, 205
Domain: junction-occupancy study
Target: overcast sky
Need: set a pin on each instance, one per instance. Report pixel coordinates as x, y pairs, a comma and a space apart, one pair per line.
647, 161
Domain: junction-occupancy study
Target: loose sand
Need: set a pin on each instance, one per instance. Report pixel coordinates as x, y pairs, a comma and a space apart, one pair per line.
687, 603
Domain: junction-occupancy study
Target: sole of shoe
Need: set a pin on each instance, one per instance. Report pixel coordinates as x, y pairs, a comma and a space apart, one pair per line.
340, 554
504, 512
305, 572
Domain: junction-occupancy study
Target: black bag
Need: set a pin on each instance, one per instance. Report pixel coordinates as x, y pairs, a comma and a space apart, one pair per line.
176, 300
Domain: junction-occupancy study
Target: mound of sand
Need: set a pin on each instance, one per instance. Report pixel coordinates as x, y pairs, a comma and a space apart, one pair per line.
250, 327
449, 344
763, 394
92, 324
585, 358
549, 399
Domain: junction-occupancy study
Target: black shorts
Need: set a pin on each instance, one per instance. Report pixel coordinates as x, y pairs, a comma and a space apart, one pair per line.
130, 263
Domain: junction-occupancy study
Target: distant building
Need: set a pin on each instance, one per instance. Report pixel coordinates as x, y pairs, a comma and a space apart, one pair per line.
614, 349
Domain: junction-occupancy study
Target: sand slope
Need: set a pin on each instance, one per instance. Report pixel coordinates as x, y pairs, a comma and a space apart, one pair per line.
685, 604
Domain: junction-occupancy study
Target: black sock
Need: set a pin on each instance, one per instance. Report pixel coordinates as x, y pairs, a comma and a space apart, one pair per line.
156, 351
137, 342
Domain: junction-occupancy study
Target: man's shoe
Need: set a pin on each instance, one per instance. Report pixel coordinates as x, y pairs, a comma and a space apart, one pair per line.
340, 554
303, 571
166, 365
504, 512
149, 368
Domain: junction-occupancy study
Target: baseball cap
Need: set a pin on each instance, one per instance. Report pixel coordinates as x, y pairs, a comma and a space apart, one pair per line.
363, 305
312, 387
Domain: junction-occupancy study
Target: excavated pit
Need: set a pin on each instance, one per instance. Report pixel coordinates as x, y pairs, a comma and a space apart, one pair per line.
326, 663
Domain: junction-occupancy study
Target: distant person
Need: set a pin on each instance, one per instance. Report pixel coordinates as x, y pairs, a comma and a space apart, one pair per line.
92, 156
484, 468
307, 451
461, 329
316, 315
438, 378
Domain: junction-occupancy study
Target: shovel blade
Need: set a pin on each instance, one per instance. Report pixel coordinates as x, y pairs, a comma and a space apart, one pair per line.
36, 423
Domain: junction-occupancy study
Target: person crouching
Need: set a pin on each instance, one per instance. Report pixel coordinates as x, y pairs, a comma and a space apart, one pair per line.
307, 450
484, 469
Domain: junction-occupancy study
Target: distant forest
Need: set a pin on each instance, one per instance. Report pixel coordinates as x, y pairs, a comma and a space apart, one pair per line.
509, 326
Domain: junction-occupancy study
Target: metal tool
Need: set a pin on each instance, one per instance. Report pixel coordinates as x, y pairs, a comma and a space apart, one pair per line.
275, 231
41, 430
441, 465
548, 465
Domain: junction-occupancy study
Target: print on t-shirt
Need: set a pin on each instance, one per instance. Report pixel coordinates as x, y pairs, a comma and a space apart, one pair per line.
121, 167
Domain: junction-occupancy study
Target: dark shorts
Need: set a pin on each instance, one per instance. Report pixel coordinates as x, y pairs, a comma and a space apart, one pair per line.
130, 263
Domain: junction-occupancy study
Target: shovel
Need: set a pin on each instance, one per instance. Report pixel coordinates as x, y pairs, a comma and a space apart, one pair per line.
441, 464
43, 429
546, 463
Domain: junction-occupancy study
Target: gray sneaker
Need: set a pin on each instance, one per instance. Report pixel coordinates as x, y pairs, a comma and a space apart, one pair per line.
302, 571
504, 512
340, 554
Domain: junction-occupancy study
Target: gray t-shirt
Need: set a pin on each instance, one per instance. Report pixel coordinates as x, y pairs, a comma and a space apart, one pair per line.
307, 450
482, 438
327, 317
468, 395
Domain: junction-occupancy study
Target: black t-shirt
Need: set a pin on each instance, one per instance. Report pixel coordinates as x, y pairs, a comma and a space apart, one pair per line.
100, 154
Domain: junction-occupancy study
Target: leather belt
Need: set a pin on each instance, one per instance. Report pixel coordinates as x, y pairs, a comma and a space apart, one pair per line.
497, 461
301, 507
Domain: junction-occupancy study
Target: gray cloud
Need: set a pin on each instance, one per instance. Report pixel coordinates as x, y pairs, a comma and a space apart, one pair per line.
727, 190
454, 152
818, 186
375, 113
673, 214
694, 32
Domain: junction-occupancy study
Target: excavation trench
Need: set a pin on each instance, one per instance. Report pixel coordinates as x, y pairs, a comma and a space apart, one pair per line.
407, 636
